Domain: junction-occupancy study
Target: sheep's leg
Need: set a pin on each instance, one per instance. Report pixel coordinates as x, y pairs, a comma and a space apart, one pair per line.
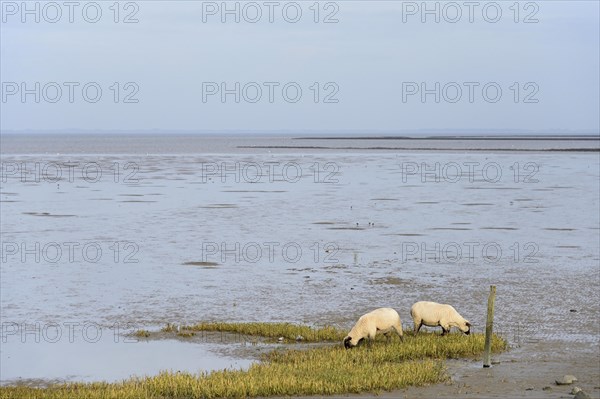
371, 335
387, 336
418, 327
398, 330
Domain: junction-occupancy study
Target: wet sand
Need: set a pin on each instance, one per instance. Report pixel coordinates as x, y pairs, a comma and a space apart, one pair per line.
526, 372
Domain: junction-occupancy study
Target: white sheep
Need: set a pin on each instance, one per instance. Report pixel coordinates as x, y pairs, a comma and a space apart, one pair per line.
382, 320
434, 314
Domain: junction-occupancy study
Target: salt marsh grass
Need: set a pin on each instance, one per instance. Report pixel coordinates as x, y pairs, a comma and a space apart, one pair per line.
273, 330
142, 334
324, 370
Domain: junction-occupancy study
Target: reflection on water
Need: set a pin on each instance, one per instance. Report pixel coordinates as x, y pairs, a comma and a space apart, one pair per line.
100, 355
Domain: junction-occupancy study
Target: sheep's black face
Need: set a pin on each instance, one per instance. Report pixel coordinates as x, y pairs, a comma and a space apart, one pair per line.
347, 343
468, 325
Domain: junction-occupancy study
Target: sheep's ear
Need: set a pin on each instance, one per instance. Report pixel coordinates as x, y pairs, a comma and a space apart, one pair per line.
468, 324
348, 338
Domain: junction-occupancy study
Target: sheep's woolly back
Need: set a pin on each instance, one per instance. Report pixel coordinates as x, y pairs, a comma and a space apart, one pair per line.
434, 314
382, 319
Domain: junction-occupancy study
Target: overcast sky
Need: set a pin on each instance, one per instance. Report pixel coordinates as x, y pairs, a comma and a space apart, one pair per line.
366, 71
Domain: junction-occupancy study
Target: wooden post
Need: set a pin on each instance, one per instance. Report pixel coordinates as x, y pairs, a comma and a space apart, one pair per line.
489, 328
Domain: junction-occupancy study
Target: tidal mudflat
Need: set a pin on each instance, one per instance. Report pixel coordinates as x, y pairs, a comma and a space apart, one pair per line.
179, 234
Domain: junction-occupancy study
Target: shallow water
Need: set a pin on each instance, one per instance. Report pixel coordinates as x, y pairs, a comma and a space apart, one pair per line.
101, 355
304, 236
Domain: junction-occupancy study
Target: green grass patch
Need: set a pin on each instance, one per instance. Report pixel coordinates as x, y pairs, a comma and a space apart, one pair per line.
323, 370
142, 333
271, 331
186, 334
288, 331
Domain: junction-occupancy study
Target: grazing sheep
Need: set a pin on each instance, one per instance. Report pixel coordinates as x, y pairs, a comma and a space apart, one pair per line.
434, 314
382, 320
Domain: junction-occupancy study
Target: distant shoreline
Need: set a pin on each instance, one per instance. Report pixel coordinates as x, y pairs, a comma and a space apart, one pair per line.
282, 147
482, 137
177, 143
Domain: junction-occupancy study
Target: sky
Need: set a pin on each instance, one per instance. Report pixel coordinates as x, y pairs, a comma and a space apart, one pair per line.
304, 65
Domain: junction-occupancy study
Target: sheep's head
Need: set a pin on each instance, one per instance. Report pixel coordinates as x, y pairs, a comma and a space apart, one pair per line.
465, 327
350, 342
